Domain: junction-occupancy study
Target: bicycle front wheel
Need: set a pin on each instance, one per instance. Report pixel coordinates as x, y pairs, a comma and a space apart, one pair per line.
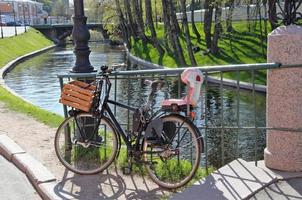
85, 144
173, 163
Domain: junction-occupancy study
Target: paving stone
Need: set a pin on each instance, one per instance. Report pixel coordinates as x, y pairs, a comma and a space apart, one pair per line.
281, 175
51, 191
236, 180
287, 190
8, 147
36, 172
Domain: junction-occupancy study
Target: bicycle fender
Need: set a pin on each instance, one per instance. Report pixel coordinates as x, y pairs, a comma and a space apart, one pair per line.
156, 126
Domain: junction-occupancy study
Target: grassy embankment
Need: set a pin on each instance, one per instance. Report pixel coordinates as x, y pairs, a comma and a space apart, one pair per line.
237, 48
10, 49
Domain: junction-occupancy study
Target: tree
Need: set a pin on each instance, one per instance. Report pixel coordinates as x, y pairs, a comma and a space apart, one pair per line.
208, 14
217, 27
139, 20
175, 30
229, 19
272, 13
194, 29
123, 26
59, 8
47, 5
187, 32
130, 22
150, 24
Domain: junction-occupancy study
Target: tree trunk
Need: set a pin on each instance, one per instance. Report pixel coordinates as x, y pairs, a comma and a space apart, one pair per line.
272, 13
173, 18
208, 15
248, 14
187, 32
194, 29
139, 21
174, 32
123, 25
130, 24
167, 25
149, 19
229, 19
217, 28
264, 2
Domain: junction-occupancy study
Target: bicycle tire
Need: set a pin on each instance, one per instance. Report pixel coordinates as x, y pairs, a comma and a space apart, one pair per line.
163, 170
86, 160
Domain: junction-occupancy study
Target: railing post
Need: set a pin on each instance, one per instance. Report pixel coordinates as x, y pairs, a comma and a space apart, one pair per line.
284, 100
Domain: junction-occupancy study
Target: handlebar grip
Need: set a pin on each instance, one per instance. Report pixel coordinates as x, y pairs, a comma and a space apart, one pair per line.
121, 65
104, 68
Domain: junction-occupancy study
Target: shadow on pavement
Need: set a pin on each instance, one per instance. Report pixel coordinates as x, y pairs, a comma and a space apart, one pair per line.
111, 184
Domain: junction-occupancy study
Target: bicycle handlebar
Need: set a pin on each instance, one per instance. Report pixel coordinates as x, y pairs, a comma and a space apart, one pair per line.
109, 70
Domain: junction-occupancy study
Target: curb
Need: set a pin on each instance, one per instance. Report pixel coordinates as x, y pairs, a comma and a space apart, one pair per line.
41, 178
12, 64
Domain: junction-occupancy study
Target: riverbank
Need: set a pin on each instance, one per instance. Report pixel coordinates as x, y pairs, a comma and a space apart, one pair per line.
15, 48
240, 47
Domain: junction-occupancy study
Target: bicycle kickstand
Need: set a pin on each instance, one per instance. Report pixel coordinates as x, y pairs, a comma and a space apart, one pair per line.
127, 170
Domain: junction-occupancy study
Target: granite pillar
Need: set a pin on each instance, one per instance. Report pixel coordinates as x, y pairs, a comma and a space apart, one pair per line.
284, 100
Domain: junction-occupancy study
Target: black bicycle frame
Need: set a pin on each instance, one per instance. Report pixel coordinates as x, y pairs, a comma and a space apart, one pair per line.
117, 125
105, 107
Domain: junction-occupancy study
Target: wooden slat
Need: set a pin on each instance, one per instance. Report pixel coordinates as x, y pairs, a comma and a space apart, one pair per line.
76, 100
83, 85
74, 105
78, 95
78, 89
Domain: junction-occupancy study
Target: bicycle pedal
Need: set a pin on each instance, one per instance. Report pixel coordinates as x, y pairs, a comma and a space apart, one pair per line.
127, 170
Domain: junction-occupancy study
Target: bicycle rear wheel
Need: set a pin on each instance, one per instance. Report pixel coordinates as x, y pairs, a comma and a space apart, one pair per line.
85, 144
174, 162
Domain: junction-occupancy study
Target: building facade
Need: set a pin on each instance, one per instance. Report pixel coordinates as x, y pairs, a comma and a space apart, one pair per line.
22, 11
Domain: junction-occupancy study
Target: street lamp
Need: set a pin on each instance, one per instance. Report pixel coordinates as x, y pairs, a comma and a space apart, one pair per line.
1, 24
81, 36
24, 17
29, 14
13, 7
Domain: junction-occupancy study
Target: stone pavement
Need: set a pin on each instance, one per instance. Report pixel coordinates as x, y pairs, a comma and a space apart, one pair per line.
236, 180
14, 185
243, 180
287, 190
9, 31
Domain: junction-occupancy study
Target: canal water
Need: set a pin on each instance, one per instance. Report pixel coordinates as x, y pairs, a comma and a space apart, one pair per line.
36, 80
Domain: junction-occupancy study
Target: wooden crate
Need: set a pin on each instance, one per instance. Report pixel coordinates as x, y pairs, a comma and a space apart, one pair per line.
78, 95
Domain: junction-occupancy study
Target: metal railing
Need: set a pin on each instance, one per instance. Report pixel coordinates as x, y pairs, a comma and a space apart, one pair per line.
226, 115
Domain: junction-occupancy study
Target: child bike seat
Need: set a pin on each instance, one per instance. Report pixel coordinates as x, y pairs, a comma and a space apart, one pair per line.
193, 78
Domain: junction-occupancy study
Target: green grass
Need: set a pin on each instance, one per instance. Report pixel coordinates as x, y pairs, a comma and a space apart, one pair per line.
246, 48
17, 104
14, 47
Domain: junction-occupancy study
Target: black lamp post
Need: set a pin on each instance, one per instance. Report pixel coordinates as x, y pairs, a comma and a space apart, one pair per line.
1, 24
23, 16
81, 36
13, 7
28, 12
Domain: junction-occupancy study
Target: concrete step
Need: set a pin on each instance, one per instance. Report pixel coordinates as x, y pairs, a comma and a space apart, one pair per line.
236, 180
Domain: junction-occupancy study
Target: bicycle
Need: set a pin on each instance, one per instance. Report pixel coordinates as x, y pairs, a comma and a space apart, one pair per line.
167, 143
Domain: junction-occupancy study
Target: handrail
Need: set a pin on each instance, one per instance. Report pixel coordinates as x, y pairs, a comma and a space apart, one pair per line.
217, 68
